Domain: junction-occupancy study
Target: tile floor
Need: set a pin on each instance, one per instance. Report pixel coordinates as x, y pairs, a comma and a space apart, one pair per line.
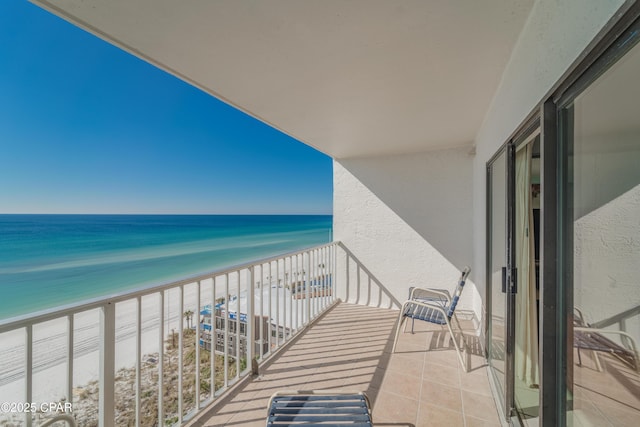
349, 348
610, 397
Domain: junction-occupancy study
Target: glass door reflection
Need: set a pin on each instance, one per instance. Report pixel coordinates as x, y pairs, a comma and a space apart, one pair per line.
498, 259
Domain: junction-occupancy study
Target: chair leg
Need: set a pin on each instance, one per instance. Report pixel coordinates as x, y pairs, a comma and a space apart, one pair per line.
401, 319
579, 358
464, 341
455, 343
597, 358
457, 322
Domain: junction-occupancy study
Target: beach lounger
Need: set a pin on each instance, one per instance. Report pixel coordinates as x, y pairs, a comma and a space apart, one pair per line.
435, 306
319, 408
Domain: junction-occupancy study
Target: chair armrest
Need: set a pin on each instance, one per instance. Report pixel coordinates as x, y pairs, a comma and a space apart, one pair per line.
426, 304
588, 330
579, 317
426, 294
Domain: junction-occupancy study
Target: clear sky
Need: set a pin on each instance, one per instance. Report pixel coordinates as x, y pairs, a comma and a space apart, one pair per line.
88, 128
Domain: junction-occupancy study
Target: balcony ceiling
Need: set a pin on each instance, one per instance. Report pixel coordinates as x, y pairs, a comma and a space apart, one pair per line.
350, 78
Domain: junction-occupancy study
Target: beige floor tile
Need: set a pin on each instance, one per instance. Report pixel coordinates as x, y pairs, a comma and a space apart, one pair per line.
390, 407
430, 415
442, 374
403, 385
620, 414
584, 414
442, 357
249, 417
217, 420
406, 365
441, 395
479, 406
477, 422
322, 382
476, 381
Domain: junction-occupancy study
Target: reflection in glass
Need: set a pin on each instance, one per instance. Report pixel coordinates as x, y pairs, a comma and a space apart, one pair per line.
526, 375
604, 388
498, 260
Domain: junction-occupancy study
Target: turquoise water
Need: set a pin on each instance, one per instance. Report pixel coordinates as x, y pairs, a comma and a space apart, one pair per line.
51, 260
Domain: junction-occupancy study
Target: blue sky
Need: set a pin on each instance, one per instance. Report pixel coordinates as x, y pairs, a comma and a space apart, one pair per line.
88, 128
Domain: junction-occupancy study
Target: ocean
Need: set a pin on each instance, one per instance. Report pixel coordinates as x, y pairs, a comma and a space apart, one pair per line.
52, 260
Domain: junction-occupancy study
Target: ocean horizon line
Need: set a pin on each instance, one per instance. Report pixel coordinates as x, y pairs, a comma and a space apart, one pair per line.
48, 260
167, 214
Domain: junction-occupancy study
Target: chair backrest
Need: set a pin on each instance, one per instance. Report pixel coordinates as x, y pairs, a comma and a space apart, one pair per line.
456, 294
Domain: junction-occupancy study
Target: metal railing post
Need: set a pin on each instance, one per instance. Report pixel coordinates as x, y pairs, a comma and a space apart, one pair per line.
138, 361
70, 359
298, 293
268, 332
180, 354
196, 315
213, 339
106, 412
29, 371
308, 286
226, 330
161, 361
251, 339
347, 281
259, 327
277, 322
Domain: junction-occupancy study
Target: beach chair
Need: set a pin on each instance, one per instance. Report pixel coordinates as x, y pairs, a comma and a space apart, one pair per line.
435, 306
319, 407
587, 337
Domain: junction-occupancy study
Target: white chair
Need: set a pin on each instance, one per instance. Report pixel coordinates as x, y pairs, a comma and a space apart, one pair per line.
434, 306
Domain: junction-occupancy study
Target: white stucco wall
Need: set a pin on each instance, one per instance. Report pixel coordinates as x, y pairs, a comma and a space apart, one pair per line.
606, 267
407, 219
555, 35
413, 217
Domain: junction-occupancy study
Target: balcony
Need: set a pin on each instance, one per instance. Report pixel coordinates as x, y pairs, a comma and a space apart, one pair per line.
422, 384
149, 358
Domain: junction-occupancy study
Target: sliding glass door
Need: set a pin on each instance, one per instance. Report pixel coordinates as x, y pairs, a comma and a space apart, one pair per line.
563, 247
500, 175
513, 212
527, 257
602, 125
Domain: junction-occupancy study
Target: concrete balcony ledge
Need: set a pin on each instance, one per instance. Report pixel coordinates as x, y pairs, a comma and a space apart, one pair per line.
349, 348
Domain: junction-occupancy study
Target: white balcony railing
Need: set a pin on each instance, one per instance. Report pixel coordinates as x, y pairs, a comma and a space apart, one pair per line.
161, 355
147, 354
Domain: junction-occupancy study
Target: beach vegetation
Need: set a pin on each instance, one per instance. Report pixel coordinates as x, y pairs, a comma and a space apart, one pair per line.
188, 315
86, 397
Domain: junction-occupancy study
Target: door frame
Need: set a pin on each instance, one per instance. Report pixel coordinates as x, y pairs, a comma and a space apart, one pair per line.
531, 128
509, 278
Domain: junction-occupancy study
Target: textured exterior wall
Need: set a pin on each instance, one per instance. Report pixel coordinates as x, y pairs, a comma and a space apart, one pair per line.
417, 219
407, 219
606, 192
555, 35
607, 248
